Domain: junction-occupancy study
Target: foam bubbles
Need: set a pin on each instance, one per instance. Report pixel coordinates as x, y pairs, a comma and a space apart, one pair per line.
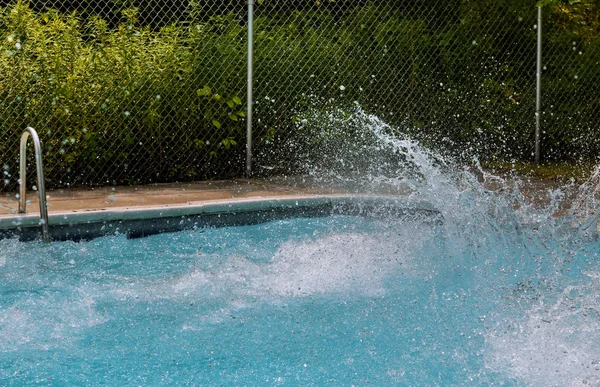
8, 248
351, 263
52, 323
557, 343
356, 263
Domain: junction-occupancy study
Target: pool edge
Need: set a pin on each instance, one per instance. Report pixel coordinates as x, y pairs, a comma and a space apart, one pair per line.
144, 221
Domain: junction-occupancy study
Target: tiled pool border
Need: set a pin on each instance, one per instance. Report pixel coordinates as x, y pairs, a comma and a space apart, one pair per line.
145, 221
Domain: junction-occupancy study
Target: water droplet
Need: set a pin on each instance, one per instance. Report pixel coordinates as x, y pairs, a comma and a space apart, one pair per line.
62, 151
6, 167
18, 46
158, 97
342, 88
34, 188
127, 114
17, 196
10, 38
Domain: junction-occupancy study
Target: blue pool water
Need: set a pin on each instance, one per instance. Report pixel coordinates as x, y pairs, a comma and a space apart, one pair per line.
323, 301
506, 291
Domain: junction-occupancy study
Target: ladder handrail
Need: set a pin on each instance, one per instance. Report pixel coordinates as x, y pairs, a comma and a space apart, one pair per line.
40, 179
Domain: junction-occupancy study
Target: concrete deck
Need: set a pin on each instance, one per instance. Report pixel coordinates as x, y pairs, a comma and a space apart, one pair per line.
141, 197
83, 214
155, 195
128, 205
176, 194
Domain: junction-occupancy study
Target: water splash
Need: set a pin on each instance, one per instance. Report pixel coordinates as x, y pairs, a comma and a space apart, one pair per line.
361, 153
586, 205
546, 245
556, 342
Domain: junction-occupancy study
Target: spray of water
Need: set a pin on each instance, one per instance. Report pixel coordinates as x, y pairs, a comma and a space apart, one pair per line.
545, 249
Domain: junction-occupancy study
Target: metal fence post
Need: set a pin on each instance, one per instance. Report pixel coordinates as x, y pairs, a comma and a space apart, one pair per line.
250, 87
538, 87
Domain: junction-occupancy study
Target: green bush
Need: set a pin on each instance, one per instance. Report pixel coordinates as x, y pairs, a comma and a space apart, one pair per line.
119, 100
122, 105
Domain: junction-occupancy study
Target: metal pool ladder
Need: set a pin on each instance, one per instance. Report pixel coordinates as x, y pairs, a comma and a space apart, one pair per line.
40, 180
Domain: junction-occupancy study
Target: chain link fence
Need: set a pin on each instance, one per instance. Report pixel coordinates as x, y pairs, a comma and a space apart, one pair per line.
129, 92
124, 92
451, 74
571, 81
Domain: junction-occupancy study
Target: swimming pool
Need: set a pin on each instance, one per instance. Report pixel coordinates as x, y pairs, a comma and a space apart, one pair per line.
336, 300
460, 282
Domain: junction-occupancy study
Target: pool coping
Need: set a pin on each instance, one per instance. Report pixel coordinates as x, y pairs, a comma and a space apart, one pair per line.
149, 220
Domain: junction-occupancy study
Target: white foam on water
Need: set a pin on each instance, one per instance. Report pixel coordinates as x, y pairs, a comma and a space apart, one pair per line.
336, 264
8, 248
556, 344
48, 324
351, 263
16, 328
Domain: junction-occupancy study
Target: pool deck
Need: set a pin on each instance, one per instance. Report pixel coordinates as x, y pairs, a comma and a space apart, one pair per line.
127, 204
155, 195
83, 214
83, 199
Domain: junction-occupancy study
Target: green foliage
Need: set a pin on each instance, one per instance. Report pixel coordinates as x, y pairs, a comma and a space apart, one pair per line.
123, 100
462, 79
108, 100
